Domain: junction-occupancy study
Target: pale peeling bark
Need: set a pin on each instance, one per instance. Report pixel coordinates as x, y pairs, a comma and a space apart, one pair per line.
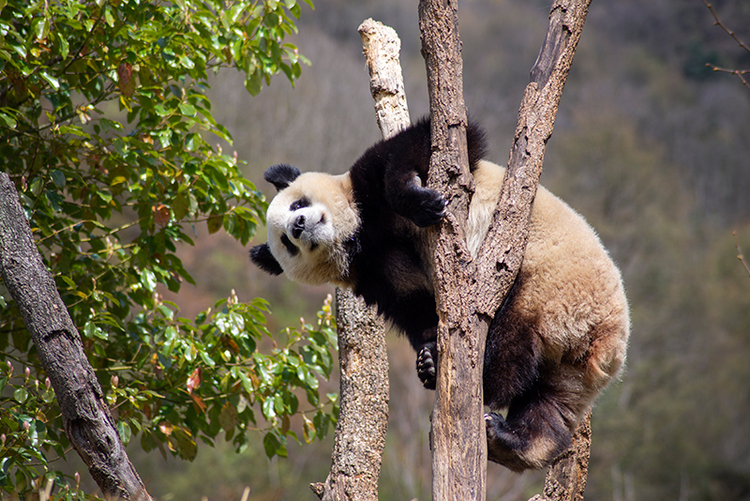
382, 47
470, 291
363, 417
88, 422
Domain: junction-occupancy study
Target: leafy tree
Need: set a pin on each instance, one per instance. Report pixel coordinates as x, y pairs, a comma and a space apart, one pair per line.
105, 130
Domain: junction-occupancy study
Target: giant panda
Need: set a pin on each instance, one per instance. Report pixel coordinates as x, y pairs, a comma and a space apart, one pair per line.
554, 344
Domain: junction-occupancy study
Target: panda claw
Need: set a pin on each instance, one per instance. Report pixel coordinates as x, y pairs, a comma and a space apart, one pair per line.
426, 366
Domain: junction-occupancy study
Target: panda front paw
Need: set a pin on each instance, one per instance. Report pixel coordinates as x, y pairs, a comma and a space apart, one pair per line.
422, 206
427, 365
428, 208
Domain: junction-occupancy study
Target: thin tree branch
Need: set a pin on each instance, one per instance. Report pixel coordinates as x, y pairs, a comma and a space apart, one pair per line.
717, 22
739, 253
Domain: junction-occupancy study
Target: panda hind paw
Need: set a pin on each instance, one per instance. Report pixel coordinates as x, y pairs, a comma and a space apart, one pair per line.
426, 365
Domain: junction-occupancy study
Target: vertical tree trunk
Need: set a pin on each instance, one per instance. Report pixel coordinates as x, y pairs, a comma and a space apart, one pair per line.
88, 422
458, 436
363, 418
469, 292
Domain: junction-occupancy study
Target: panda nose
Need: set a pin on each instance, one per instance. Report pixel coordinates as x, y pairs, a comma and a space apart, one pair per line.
298, 227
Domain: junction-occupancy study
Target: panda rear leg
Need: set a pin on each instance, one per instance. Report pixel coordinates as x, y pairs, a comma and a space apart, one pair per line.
532, 436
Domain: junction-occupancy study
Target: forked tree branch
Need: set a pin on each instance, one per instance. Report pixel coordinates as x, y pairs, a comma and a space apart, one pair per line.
469, 293
717, 22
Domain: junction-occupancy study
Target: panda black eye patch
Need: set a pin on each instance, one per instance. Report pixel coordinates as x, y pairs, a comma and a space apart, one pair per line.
299, 204
293, 250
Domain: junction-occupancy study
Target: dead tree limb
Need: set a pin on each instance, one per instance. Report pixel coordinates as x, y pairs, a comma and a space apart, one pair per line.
86, 417
469, 292
363, 418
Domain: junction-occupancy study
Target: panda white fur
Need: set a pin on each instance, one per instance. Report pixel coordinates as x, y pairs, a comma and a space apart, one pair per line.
555, 343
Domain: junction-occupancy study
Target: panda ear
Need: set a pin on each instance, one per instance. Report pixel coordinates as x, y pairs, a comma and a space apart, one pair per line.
263, 259
281, 175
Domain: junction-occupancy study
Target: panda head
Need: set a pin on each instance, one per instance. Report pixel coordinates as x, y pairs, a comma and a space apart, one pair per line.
310, 222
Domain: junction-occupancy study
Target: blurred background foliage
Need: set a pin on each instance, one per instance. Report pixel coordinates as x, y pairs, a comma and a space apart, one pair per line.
650, 146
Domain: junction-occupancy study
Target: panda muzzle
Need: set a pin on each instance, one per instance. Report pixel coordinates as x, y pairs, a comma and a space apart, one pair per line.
298, 227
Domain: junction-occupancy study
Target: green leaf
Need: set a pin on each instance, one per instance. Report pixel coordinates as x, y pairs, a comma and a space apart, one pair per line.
64, 47
187, 109
40, 27
148, 280
20, 395
215, 223
206, 358
58, 178
109, 18
253, 83
273, 446
7, 120
268, 408
124, 430
54, 82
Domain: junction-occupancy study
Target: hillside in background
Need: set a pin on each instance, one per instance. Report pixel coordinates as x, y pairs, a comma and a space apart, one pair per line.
653, 149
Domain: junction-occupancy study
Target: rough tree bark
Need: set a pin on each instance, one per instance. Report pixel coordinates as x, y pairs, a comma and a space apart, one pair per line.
470, 291
88, 422
566, 476
458, 436
363, 417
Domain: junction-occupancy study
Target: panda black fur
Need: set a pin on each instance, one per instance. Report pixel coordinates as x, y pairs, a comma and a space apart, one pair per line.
556, 342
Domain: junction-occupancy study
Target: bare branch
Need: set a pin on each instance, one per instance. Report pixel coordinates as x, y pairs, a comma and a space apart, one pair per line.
740, 73
739, 253
717, 22
363, 417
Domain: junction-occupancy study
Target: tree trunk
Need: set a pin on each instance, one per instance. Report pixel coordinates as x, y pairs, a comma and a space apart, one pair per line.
458, 436
88, 422
363, 417
470, 291
566, 476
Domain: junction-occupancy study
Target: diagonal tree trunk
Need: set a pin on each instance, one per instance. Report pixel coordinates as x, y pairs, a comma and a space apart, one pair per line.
88, 422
